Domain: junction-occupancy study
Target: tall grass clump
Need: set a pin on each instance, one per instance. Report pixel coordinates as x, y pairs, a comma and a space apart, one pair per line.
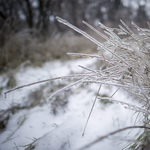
127, 58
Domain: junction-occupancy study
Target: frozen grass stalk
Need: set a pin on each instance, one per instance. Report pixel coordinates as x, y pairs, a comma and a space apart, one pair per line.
126, 67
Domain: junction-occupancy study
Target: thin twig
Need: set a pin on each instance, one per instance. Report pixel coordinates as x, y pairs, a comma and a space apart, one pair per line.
130, 106
89, 69
42, 81
112, 133
91, 110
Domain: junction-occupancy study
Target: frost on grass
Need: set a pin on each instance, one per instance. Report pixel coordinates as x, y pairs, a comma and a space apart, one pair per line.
127, 66
126, 55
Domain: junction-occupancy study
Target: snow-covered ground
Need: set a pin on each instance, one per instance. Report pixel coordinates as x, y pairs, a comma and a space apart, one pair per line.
63, 131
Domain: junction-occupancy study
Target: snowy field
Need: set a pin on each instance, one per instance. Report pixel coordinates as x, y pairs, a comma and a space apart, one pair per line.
63, 130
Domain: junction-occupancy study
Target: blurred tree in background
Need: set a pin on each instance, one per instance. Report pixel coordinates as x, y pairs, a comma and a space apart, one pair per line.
23, 21
16, 15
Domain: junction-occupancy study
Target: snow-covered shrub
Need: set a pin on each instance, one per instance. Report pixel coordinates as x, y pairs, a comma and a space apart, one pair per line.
126, 55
